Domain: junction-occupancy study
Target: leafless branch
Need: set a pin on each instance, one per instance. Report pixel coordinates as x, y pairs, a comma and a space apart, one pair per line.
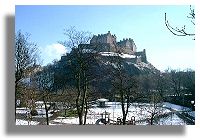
176, 31
75, 37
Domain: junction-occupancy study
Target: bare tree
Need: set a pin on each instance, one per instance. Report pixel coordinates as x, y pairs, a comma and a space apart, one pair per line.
155, 108
26, 55
75, 37
26, 59
181, 31
67, 97
152, 88
124, 85
182, 86
80, 64
45, 80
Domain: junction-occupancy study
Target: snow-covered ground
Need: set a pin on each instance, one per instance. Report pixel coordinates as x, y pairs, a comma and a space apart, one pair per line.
25, 122
171, 120
176, 107
26, 111
25, 114
63, 120
140, 111
179, 108
192, 113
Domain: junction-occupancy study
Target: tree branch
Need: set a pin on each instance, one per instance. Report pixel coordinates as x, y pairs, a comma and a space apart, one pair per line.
176, 31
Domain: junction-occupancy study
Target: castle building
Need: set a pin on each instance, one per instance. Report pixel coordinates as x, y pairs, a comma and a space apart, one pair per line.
126, 46
108, 43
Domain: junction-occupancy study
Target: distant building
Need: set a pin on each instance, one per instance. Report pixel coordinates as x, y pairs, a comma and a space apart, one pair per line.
107, 43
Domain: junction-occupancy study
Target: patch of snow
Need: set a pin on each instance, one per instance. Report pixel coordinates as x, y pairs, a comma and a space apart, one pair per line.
88, 51
176, 107
42, 116
39, 103
171, 120
122, 55
102, 100
41, 112
109, 54
142, 65
127, 56
22, 110
192, 113
24, 122
67, 120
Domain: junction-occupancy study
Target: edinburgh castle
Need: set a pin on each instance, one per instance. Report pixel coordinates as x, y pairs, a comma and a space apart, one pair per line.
107, 44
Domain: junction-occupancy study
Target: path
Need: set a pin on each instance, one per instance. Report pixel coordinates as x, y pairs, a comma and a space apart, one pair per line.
183, 115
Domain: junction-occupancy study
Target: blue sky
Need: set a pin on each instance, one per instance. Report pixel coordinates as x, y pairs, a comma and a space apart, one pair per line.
144, 24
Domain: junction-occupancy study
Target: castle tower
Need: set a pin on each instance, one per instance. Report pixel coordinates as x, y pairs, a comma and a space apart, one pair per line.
127, 46
107, 40
144, 57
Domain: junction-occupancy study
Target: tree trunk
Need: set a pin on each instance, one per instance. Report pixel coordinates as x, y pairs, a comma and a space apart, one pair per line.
79, 111
46, 112
86, 110
151, 119
78, 86
123, 110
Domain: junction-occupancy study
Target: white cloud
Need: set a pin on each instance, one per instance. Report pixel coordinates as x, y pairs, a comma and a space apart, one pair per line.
52, 52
